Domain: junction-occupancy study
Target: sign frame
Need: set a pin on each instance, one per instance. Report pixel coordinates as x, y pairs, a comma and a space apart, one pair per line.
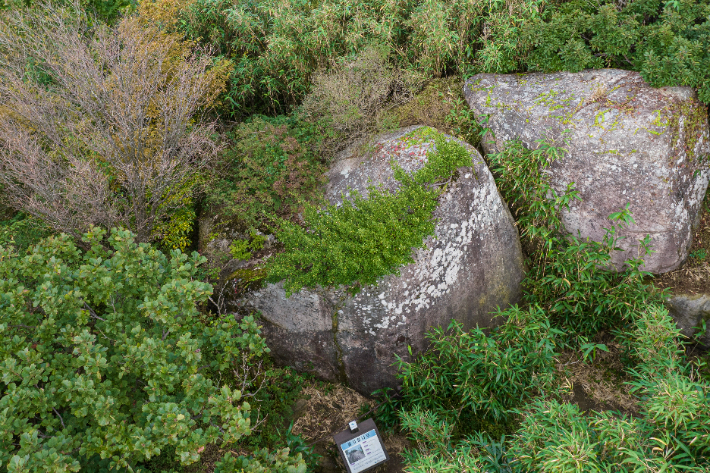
346, 435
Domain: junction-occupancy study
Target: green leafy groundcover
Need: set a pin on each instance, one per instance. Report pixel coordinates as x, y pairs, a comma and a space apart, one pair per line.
103, 360
364, 239
672, 434
482, 401
277, 46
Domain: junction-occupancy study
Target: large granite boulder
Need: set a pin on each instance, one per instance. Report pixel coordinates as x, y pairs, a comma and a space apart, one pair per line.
626, 142
689, 312
473, 266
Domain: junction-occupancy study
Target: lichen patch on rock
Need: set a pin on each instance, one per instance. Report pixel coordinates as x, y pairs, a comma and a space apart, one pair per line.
625, 142
472, 265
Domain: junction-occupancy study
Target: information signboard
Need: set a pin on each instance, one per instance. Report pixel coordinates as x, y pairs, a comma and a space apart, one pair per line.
362, 449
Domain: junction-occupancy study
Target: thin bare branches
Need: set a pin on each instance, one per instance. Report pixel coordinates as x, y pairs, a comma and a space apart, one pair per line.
98, 126
60, 418
93, 314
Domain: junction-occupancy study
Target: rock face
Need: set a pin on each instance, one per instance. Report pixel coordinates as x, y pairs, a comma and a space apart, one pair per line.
473, 266
625, 142
689, 312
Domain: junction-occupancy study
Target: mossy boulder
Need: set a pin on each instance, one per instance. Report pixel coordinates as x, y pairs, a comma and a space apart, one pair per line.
625, 142
472, 266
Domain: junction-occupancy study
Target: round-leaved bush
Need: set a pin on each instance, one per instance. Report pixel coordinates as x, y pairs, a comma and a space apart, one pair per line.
104, 354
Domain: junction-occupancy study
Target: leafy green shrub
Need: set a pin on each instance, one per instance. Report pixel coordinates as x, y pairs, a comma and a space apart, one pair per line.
363, 239
462, 119
278, 46
699, 254
473, 380
102, 365
263, 461
558, 437
352, 94
570, 277
271, 393
175, 230
241, 249
667, 41
570, 282
22, 231
436, 451
267, 170
672, 434
439, 104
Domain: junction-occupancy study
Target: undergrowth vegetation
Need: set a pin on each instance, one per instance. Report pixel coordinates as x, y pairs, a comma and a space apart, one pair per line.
473, 380
141, 117
366, 237
671, 434
278, 46
479, 401
569, 277
269, 166
102, 367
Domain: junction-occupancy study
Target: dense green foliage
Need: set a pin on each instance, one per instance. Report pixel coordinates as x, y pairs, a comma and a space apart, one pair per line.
472, 380
667, 41
269, 166
277, 46
671, 434
365, 238
101, 362
467, 383
111, 358
22, 231
569, 277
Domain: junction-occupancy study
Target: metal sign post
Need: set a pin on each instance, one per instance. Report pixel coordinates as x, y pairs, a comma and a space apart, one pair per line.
360, 446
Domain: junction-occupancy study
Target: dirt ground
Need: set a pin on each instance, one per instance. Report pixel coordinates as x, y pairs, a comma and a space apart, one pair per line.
694, 276
326, 409
599, 384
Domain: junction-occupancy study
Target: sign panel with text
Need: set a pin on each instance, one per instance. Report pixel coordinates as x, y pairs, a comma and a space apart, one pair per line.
363, 449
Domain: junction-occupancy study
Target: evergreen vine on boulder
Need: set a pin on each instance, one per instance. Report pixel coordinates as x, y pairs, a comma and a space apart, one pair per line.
470, 264
625, 142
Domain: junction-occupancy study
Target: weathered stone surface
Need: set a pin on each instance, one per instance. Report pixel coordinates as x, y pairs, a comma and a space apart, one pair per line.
689, 312
626, 142
474, 265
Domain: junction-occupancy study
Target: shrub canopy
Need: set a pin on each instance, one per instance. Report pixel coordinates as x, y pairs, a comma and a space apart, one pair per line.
103, 357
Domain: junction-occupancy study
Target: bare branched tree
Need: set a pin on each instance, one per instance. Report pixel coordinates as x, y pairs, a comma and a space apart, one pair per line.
100, 126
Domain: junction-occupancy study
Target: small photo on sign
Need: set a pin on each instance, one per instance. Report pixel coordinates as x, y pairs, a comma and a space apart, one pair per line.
354, 454
363, 452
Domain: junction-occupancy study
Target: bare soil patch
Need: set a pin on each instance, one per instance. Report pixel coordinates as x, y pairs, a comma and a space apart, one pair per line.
326, 409
694, 276
599, 384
